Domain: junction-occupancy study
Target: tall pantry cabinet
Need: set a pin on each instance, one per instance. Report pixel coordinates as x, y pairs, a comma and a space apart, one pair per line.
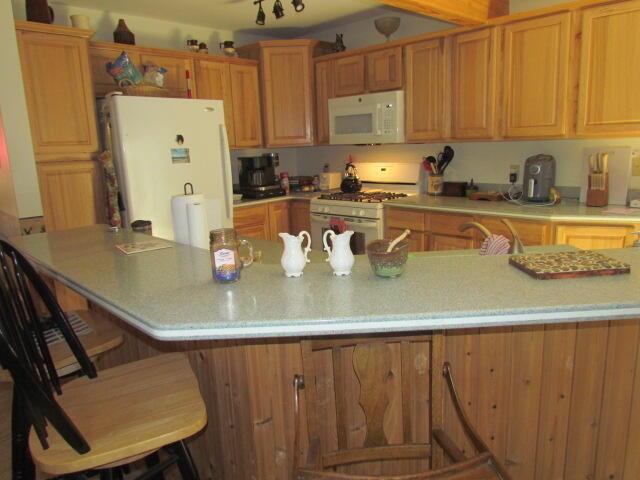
60, 101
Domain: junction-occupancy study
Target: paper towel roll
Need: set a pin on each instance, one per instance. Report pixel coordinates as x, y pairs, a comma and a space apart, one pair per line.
198, 228
179, 216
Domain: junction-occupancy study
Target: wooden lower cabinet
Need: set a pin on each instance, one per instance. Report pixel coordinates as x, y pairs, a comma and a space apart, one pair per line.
551, 401
438, 242
595, 236
299, 216
530, 232
415, 239
266, 221
72, 194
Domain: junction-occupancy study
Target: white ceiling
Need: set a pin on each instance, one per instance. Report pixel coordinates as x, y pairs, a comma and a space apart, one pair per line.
240, 14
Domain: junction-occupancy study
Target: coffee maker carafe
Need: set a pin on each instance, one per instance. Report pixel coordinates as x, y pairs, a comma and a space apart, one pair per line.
539, 178
258, 177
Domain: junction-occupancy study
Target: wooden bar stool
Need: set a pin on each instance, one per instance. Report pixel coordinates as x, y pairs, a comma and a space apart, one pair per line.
400, 381
99, 336
99, 422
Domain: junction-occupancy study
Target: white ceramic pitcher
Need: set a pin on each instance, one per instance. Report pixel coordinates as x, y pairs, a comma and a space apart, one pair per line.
295, 258
340, 256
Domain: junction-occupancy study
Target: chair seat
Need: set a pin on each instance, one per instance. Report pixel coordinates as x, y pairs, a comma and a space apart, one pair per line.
126, 411
104, 336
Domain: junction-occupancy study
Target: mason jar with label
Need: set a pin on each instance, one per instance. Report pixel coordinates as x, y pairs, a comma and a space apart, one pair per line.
226, 263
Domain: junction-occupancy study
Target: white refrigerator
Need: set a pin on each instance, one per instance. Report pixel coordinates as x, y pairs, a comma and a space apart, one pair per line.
161, 144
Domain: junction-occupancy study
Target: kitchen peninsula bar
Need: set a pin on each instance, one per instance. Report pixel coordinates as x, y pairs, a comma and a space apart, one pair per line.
547, 369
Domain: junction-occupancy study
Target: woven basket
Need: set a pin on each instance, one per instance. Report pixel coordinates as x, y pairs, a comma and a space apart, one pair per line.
144, 91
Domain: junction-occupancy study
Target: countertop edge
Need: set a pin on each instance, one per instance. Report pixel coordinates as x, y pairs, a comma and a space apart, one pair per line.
262, 201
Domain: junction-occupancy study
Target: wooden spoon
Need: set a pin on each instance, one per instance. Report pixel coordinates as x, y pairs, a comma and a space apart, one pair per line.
397, 240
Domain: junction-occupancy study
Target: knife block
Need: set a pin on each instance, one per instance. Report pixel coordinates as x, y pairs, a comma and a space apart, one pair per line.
597, 197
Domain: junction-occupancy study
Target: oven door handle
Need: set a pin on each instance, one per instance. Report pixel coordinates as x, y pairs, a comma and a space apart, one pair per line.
359, 221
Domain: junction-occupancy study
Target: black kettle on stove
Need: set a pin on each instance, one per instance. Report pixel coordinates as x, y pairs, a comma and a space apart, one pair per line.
350, 183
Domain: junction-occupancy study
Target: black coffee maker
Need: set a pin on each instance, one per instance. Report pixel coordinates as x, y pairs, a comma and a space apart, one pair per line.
258, 177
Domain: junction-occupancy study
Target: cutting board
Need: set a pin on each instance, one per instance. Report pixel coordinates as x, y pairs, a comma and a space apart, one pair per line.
619, 172
585, 263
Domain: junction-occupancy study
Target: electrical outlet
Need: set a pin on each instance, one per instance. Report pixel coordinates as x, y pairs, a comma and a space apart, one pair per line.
513, 173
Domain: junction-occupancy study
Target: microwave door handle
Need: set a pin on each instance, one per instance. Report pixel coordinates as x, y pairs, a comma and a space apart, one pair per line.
379, 120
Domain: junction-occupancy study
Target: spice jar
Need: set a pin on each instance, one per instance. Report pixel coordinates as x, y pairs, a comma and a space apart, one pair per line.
226, 262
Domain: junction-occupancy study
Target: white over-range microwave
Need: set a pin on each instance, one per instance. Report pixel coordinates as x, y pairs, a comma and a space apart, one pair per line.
367, 119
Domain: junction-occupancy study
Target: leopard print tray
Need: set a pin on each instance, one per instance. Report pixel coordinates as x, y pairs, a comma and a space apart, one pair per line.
585, 263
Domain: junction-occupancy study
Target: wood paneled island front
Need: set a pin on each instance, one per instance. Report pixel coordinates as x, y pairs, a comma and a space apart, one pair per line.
547, 369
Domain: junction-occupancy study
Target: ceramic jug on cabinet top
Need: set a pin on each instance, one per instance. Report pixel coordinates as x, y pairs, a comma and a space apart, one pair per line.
340, 257
295, 258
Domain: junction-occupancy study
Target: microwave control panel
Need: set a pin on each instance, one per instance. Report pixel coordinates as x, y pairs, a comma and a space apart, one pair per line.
388, 114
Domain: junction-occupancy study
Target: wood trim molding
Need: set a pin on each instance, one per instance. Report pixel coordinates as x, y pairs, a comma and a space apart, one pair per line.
471, 12
53, 29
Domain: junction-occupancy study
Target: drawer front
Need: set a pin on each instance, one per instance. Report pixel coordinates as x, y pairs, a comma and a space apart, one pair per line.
531, 233
448, 224
401, 218
448, 242
250, 215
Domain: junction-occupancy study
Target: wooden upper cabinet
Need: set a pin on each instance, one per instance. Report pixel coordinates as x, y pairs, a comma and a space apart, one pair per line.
384, 69
609, 103
349, 75
99, 56
473, 84
594, 237
324, 91
58, 88
426, 78
175, 80
287, 95
213, 80
245, 94
536, 74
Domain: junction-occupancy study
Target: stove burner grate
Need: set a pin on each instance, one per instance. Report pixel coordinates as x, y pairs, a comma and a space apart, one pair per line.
364, 197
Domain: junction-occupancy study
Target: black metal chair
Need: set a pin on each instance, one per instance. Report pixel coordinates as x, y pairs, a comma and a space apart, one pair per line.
39, 403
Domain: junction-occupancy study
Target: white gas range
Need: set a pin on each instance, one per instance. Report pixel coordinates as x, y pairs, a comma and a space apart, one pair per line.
363, 212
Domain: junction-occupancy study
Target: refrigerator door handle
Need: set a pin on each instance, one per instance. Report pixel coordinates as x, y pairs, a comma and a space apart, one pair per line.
226, 164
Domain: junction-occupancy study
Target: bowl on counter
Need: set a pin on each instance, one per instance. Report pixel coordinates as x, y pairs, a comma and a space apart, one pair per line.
388, 265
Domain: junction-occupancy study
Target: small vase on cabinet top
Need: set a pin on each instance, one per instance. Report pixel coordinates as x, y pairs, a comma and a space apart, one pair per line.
122, 34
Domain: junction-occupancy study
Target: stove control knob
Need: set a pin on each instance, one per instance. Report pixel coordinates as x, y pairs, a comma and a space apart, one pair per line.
361, 213
353, 212
327, 210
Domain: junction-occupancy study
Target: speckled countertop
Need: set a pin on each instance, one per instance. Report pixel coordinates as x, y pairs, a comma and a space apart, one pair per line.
170, 295
568, 210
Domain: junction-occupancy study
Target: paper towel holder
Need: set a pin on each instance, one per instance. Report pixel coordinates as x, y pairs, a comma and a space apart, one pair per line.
185, 188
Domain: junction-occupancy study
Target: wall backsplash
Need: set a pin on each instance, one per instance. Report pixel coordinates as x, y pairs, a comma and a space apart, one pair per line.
485, 162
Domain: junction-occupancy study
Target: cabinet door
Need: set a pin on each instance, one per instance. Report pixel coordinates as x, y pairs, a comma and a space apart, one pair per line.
245, 92
213, 80
349, 76
473, 84
593, 237
288, 98
59, 93
324, 91
299, 216
71, 194
278, 219
536, 68
384, 69
175, 80
415, 239
252, 222
104, 83
609, 103
425, 66
448, 242
531, 233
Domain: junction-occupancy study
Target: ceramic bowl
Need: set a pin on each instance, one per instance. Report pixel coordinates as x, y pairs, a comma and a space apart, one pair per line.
390, 264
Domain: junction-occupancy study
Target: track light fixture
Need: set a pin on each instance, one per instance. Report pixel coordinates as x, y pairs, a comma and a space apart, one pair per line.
278, 10
298, 6
260, 18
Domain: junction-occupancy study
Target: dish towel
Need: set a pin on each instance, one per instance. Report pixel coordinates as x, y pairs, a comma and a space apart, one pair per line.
495, 245
112, 190
338, 225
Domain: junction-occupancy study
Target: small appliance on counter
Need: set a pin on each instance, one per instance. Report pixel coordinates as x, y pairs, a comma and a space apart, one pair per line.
258, 177
302, 183
350, 183
539, 178
330, 180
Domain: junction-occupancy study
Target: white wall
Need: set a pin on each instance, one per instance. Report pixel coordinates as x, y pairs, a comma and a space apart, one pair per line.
149, 32
16, 120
